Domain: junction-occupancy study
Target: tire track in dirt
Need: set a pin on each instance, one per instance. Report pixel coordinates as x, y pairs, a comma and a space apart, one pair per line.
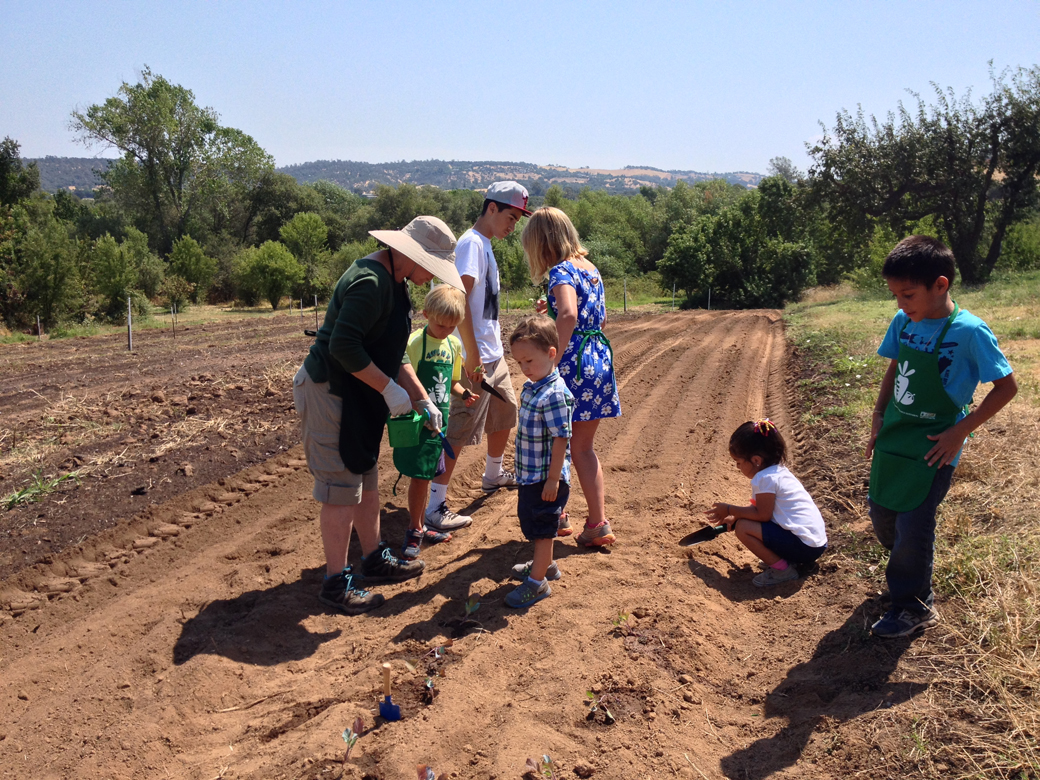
206, 654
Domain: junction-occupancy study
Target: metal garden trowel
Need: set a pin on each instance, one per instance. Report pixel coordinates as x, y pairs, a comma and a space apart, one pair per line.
703, 535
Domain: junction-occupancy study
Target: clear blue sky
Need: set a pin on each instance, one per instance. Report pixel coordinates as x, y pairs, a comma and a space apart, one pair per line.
704, 86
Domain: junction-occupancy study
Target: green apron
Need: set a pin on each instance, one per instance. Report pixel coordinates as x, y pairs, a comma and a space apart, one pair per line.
900, 478
421, 461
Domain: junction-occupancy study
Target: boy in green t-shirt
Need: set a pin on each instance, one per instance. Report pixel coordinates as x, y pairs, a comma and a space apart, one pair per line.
436, 356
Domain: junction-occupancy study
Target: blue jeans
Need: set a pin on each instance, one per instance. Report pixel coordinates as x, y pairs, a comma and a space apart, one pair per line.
910, 537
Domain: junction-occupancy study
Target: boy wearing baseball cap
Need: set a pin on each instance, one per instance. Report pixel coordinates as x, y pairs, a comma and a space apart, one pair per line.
505, 202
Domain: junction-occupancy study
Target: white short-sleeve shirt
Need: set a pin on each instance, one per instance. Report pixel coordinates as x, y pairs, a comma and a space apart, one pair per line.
794, 509
473, 257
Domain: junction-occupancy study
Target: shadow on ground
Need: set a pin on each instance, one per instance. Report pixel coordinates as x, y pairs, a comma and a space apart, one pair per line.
847, 676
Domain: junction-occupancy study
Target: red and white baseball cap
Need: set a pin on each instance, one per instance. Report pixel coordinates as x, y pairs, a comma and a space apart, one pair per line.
508, 193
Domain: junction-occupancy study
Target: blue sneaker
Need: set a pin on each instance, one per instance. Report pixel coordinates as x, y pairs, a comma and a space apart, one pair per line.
528, 593
903, 622
414, 540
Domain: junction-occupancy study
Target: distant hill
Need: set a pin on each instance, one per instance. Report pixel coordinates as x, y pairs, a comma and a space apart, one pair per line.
461, 174
59, 173
79, 173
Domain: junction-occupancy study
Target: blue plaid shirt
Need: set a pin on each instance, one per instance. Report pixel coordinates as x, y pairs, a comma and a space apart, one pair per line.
546, 407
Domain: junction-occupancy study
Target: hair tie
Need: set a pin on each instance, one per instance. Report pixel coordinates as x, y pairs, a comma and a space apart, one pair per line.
764, 426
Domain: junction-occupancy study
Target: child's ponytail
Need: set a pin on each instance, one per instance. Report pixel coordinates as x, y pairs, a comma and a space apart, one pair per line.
759, 437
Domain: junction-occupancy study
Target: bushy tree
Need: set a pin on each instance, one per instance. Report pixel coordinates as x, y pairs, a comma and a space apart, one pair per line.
178, 162
973, 167
270, 272
17, 181
305, 236
114, 276
188, 261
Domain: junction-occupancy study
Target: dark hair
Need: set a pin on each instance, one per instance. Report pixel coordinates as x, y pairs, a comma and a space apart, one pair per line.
501, 206
920, 259
758, 438
536, 328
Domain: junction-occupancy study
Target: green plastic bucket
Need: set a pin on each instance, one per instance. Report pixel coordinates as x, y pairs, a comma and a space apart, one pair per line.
404, 431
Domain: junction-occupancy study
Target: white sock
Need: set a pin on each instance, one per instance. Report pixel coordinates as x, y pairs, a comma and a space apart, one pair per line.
493, 467
438, 495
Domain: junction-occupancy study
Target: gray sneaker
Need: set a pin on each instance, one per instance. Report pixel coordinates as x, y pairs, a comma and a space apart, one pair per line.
339, 592
527, 594
443, 519
773, 576
522, 570
903, 622
506, 479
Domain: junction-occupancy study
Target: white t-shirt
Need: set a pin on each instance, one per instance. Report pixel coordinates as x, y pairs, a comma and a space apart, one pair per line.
794, 509
473, 257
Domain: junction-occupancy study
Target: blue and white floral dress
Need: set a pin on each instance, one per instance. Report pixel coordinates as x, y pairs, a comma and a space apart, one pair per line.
587, 366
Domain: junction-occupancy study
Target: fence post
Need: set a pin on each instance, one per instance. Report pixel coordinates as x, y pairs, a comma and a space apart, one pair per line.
673, 296
39, 330
129, 326
709, 299
301, 311
173, 318
507, 300
315, 312
626, 294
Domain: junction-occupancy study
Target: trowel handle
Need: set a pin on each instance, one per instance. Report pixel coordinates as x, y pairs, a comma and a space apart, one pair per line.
386, 679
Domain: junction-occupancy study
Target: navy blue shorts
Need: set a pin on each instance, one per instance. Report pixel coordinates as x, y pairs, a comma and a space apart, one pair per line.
540, 519
787, 545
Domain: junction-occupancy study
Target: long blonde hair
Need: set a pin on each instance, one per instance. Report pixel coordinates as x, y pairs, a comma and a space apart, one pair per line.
548, 239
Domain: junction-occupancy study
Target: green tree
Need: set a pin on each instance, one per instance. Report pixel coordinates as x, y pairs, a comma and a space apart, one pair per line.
305, 236
188, 261
176, 156
44, 271
17, 181
973, 167
114, 275
270, 271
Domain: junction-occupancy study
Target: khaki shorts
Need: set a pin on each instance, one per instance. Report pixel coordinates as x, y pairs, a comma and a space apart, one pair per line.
467, 425
320, 412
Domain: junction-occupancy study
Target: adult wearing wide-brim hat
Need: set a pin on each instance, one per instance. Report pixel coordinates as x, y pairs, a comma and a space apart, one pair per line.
352, 378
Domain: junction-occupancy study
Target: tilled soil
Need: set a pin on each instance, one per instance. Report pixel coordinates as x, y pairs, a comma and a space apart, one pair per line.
160, 618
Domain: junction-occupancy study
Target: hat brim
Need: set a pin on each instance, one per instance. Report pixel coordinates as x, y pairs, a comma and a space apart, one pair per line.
440, 264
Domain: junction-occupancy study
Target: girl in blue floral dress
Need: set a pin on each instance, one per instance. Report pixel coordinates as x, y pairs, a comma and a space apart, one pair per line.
553, 250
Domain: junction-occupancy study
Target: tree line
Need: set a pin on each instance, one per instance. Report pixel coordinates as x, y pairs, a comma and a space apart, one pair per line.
195, 211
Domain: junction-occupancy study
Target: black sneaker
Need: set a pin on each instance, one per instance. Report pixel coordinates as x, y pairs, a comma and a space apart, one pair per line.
904, 622
338, 592
381, 565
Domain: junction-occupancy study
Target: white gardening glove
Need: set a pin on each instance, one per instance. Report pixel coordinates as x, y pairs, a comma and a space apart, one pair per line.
396, 398
435, 420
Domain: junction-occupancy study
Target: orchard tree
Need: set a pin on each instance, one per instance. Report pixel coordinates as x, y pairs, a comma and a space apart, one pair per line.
178, 162
305, 237
972, 167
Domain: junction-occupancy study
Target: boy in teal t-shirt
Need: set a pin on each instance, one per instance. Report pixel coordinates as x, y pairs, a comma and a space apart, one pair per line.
436, 356
939, 355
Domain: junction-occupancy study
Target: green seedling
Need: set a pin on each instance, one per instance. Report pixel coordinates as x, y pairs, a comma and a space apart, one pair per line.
596, 704
472, 605
544, 768
351, 735
37, 488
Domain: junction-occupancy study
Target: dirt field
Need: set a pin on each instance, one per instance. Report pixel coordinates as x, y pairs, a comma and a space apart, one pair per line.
160, 618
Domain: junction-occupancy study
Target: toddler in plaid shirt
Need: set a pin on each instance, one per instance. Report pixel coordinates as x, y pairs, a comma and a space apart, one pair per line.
542, 454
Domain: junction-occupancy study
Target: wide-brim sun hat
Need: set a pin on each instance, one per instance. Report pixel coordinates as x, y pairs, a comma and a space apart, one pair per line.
428, 242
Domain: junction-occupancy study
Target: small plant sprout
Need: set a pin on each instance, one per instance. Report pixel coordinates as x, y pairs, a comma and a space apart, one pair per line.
429, 691
472, 605
351, 735
620, 620
544, 768
596, 704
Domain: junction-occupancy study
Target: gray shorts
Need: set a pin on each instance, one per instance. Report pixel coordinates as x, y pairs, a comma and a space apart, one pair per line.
467, 425
320, 412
